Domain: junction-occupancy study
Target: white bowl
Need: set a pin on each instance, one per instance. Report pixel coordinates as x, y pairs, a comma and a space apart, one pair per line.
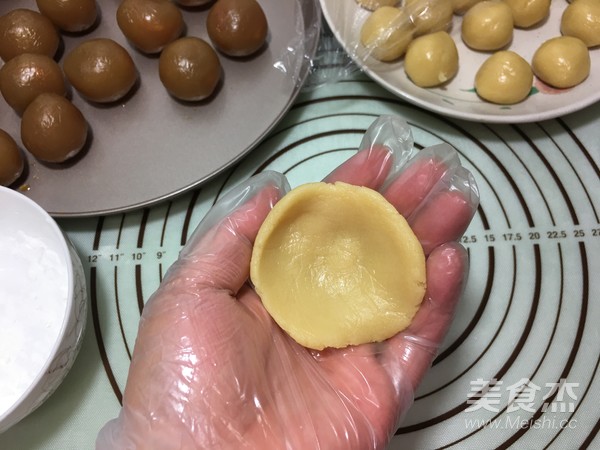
43, 305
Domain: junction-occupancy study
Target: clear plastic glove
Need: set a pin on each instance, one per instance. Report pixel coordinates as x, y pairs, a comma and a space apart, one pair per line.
212, 370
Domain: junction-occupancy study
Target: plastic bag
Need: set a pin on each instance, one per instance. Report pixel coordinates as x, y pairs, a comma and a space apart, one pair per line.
376, 33
211, 369
297, 61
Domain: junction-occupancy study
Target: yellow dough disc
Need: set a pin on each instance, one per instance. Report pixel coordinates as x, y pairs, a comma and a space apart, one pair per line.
337, 265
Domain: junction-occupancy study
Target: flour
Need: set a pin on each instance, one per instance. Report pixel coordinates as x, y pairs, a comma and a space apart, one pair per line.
33, 298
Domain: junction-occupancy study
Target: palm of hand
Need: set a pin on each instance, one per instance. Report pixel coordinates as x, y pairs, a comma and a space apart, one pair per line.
212, 370
257, 381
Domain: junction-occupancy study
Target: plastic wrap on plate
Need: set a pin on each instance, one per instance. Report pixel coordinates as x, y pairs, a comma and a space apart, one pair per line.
447, 85
331, 62
298, 56
381, 30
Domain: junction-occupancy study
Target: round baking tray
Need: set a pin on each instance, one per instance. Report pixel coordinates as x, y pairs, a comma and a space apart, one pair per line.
150, 147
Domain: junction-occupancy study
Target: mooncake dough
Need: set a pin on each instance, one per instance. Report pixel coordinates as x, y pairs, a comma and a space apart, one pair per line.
462, 6
581, 19
386, 33
488, 26
562, 62
527, 13
337, 265
429, 16
432, 59
372, 5
504, 78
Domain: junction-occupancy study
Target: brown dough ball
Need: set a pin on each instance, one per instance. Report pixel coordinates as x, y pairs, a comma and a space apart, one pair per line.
189, 69
188, 3
26, 76
26, 31
70, 15
488, 25
11, 160
150, 24
101, 70
53, 129
237, 27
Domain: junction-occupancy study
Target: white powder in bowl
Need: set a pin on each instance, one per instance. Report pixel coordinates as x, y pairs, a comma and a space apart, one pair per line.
33, 299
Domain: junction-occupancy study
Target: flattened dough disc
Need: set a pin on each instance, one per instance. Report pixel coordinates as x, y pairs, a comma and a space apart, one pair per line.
337, 265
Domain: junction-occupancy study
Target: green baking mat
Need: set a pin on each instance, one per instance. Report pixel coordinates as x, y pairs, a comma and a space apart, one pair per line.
527, 326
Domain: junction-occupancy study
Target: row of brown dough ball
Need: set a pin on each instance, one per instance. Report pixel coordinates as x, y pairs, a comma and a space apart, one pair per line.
101, 70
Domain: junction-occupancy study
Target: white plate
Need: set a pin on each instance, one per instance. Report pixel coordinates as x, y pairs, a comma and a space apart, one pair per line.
150, 147
458, 98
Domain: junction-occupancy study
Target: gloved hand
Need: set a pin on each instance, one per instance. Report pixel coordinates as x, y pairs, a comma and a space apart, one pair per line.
212, 370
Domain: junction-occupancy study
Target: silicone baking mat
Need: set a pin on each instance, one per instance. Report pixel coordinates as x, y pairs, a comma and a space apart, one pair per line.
519, 366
